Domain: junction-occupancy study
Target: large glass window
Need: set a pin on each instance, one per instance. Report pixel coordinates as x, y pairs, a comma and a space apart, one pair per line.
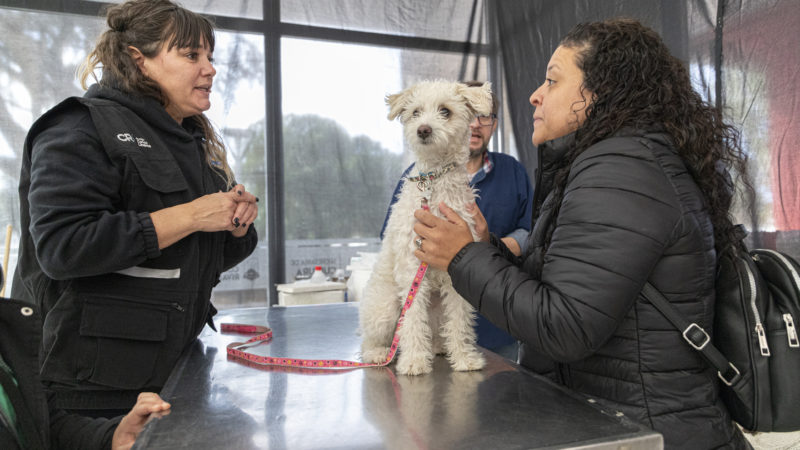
342, 156
39, 56
238, 112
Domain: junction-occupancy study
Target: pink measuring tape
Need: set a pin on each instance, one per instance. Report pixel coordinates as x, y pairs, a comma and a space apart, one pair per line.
236, 349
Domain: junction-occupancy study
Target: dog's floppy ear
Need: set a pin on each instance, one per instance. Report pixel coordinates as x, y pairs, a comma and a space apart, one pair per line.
397, 103
479, 98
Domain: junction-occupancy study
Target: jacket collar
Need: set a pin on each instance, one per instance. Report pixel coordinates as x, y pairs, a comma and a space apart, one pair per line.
551, 153
550, 157
148, 109
488, 165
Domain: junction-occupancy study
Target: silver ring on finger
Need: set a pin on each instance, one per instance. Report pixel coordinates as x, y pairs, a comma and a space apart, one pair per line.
418, 242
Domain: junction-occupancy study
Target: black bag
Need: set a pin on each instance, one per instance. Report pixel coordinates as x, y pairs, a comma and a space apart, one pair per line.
755, 344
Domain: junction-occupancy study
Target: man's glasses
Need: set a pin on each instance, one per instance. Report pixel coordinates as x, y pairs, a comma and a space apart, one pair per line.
486, 121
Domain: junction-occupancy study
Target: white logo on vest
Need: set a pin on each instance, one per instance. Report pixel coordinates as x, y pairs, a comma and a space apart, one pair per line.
126, 137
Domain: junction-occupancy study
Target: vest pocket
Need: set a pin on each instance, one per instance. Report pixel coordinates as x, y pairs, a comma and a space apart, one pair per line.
151, 185
162, 175
128, 342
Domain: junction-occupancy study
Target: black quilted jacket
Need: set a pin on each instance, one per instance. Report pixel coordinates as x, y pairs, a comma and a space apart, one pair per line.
630, 213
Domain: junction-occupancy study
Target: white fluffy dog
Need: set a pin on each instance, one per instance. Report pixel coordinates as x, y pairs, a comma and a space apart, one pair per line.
435, 117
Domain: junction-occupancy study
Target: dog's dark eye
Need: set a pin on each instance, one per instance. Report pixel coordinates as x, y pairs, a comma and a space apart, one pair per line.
415, 113
445, 112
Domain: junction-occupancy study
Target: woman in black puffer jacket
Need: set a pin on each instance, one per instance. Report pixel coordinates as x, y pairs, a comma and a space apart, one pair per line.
633, 187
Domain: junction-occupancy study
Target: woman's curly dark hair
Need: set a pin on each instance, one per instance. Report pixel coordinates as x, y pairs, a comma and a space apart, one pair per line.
635, 82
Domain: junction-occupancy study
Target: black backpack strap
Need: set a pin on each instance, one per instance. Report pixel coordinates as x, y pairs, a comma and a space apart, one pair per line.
694, 334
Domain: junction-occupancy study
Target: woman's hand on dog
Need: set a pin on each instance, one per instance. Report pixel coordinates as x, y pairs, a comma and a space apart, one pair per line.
443, 238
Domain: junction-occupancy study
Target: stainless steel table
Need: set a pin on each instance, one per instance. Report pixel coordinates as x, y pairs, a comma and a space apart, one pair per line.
219, 403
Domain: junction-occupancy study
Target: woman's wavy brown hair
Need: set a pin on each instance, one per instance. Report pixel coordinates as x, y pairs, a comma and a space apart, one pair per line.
149, 25
635, 82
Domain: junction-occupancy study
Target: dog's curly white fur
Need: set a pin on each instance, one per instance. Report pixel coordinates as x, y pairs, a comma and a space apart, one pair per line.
435, 117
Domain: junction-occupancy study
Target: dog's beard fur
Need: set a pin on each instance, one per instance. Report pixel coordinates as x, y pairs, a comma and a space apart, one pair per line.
435, 117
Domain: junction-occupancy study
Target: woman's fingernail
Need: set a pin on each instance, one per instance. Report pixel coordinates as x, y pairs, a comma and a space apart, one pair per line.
236, 221
256, 198
239, 192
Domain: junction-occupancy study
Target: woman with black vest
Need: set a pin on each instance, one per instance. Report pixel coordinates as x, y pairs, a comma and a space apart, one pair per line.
633, 186
129, 211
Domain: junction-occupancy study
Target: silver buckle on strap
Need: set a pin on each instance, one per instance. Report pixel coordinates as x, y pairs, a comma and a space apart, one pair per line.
686, 336
733, 378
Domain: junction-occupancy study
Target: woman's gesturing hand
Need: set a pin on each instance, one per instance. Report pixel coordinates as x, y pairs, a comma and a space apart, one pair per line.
246, 210
233, 211
147, 405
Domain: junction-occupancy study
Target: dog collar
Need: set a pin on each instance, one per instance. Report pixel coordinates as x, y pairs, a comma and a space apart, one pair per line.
433, 174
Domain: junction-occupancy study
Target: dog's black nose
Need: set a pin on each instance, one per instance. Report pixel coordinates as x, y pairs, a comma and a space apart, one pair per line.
424, 131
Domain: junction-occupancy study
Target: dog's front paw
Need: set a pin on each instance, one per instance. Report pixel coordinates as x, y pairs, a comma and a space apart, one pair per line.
466, 361
374, 355
413, 365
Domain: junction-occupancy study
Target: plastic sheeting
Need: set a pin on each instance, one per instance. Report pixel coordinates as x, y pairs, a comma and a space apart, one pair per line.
743, 56
444, 19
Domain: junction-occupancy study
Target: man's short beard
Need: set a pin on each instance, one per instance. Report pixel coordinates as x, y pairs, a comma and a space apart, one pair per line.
476, 153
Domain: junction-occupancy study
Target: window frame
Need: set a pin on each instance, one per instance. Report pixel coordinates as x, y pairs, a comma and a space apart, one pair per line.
273, 29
